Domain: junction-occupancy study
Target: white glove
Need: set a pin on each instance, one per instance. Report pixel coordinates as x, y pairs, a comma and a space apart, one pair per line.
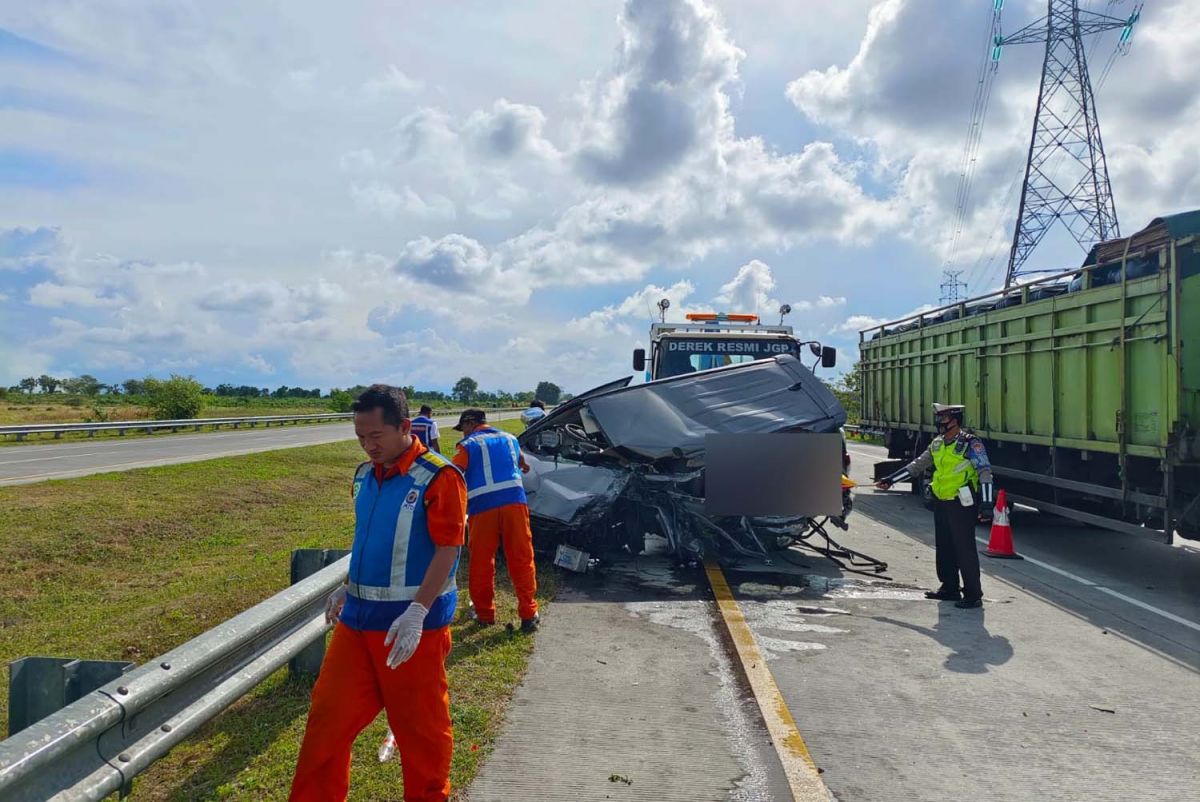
404, 635
333, 605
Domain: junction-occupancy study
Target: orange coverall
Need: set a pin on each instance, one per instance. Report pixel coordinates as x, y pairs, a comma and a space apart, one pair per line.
355, 683
506, 527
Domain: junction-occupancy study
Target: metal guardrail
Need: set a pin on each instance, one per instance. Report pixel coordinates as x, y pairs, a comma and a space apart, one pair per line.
150, 426
96, 745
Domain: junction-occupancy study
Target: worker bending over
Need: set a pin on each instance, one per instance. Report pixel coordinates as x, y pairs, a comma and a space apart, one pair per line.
499, 515
392, 632
962, 479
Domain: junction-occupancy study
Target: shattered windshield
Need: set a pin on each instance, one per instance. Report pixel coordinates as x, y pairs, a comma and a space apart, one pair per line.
678, 356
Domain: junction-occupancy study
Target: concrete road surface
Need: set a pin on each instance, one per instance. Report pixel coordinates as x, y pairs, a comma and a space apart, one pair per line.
36, 463
1079, 679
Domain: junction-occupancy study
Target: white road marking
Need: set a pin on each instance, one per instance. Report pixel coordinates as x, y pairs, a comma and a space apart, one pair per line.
43, 459
1096, 586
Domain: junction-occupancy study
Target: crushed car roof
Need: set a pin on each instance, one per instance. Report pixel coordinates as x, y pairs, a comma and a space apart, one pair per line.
670, 417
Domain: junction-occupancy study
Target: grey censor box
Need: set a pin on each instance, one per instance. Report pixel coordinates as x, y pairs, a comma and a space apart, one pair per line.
794, 473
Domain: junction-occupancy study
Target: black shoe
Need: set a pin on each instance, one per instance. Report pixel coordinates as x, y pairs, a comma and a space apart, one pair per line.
531, 624
943, 595
968, 604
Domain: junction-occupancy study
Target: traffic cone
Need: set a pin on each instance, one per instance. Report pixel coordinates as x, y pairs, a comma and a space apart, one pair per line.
1001, 542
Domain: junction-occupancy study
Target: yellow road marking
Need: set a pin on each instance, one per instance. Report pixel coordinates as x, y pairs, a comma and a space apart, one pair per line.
803, 778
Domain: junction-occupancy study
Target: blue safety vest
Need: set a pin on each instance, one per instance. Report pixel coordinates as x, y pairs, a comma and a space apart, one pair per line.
392, 548
493, 470
422, 429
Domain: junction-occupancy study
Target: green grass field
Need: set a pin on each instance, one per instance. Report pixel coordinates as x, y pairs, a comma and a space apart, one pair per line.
130, 565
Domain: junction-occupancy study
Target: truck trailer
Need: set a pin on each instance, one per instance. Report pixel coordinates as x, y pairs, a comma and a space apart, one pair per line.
1084, 385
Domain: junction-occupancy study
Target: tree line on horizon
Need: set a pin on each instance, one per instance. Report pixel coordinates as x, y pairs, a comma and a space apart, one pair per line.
181, 397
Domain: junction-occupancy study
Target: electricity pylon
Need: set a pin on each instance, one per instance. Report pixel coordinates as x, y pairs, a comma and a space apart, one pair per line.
1065, 123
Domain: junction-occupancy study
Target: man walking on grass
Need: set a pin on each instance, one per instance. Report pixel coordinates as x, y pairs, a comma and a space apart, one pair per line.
492, 462
392, 633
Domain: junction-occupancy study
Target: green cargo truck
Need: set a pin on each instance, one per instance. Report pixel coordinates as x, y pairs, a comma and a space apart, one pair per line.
1084, 385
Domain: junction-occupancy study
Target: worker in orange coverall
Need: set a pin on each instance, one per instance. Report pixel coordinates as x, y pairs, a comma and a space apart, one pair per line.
393, 614
499, 516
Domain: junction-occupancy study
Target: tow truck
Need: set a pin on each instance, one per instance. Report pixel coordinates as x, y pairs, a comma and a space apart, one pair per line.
716, 339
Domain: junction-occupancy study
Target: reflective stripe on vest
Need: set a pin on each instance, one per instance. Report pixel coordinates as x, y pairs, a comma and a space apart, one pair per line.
410, 549
493, 471
422, 429
952, 469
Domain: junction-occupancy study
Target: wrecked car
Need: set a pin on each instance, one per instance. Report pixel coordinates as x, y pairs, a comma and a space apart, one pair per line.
621, 462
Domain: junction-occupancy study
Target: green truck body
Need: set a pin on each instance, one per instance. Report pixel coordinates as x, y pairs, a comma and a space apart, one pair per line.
1085, 386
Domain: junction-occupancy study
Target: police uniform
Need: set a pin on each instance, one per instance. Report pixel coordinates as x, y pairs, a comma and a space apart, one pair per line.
961, 472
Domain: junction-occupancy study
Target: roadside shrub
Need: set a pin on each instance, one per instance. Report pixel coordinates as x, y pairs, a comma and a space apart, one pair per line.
340, 401
177, 398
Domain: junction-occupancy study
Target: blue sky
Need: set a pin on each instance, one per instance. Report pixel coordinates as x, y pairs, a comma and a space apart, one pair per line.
345, 193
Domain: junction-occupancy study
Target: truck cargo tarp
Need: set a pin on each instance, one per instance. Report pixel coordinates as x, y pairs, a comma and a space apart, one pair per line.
670, 417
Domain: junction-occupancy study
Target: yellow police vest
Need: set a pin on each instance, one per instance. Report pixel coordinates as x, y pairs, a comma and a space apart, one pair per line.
952, 469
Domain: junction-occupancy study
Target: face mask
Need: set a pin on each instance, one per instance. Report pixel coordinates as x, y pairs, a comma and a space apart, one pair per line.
943, 425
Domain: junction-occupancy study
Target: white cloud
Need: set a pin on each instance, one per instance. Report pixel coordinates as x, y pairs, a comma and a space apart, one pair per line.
643, 304
856, 323
387, 202
56, 296
393, 81
749, 291
259, 364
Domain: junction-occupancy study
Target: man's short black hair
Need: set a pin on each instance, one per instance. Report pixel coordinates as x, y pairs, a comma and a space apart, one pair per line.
386, 397
426, 409
538, 404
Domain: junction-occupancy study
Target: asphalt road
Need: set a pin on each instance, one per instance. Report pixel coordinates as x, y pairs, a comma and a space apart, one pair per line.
36, 463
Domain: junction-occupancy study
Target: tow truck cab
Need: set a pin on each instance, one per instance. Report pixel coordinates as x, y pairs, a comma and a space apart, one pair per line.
713, 340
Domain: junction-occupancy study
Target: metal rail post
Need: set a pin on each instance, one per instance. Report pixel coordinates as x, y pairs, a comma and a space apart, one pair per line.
40, 686
305, 563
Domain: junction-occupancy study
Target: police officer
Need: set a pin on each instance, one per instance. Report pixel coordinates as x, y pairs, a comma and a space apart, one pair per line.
962, 479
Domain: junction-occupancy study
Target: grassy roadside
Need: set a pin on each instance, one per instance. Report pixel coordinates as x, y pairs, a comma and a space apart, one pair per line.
30, 413
129, 565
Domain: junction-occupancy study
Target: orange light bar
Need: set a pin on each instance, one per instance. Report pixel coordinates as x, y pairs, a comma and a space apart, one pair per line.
712, 316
